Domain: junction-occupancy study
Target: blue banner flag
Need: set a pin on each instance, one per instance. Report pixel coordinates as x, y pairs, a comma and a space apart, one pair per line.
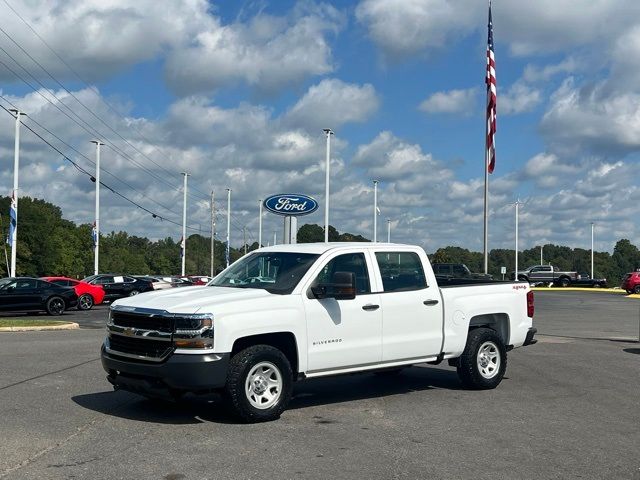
13, 219
94, 234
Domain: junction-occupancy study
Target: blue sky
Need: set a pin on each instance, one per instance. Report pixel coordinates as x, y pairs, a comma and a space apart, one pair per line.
237, 94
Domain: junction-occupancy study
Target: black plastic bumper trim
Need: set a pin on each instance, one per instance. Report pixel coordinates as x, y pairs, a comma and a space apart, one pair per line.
184, 373
529, 340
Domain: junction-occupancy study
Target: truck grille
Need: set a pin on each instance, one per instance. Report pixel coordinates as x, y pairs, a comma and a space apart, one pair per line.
142, 322
142, 347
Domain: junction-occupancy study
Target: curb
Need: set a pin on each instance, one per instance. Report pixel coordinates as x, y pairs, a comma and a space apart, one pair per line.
634, 295
62, 326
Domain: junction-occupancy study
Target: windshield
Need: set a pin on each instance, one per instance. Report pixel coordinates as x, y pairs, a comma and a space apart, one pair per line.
89, 278
5, 282
275, 272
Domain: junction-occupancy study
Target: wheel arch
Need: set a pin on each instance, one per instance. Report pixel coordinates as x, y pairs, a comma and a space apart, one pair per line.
283, 341
499, 322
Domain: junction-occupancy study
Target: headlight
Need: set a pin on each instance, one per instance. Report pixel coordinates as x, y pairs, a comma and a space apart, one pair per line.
194, 331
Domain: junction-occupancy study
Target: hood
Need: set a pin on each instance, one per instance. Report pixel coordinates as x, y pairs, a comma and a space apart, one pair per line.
191, 299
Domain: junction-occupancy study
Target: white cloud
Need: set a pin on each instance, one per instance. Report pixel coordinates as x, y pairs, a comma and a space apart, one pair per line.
594, 117
408, 27
266, 53
332, 103
451, 101
536, 73
518, 98
99, 38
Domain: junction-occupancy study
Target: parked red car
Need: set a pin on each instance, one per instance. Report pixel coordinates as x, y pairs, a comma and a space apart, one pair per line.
631, 282
88, 295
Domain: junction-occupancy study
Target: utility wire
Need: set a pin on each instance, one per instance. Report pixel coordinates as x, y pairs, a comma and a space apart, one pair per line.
84, 125
82, 170
89, 159
82, 80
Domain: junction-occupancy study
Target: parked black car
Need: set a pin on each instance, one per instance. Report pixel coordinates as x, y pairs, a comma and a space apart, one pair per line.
119, 286
585, 280
32, 294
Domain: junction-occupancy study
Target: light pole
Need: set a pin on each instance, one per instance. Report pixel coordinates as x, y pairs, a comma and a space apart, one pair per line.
96, 239
13, 213
328, 132
259, 223
388, 230
275, 237
592, 228
375, 211
184, 222
541, 247
213, 234
227, 253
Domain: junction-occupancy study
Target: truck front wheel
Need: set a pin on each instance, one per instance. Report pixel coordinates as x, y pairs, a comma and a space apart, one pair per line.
259, 383
484, 360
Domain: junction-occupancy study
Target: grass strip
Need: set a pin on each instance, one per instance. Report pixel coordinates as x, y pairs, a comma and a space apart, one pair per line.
21, 322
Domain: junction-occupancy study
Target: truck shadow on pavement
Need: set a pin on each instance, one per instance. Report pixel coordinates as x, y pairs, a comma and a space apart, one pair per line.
194, 409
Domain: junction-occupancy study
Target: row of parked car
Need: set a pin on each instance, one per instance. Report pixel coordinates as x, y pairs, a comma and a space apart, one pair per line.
54, 295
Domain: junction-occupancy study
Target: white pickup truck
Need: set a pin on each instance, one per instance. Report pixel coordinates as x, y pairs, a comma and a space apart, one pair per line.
292, 312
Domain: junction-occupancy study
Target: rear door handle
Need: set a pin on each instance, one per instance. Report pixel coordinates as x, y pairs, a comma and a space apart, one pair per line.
370, 307
430, 302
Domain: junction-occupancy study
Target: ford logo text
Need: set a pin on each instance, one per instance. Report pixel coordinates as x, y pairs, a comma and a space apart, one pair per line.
290, 204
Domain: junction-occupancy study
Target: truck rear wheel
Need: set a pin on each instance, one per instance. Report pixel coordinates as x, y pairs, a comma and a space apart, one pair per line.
484, 360
259, 383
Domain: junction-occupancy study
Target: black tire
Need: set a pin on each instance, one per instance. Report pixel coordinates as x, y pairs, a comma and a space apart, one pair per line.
469, 370
133, 292
55, 306
564, 282
636, 289
241, 366
85, 302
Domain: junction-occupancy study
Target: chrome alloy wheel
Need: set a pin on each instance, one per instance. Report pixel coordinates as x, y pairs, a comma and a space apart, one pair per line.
85, 302
488, 360
263, 385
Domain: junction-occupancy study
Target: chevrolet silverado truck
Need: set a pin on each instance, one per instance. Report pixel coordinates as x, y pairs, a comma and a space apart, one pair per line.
291, 312
546, 274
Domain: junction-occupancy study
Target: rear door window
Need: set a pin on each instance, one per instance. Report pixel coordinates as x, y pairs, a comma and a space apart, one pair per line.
401, 271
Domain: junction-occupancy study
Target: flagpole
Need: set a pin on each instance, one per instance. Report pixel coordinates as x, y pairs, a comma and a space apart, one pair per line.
486, 207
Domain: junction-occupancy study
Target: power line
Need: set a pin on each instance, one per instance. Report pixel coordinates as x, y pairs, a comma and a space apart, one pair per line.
88, 159
84, 125
82, 170
82, 80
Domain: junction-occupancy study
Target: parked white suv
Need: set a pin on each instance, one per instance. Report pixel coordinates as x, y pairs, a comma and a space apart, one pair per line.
291, 312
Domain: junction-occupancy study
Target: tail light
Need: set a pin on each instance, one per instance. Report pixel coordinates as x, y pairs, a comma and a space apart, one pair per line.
530, 306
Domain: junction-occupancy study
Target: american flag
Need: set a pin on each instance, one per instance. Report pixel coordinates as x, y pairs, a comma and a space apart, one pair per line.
13, 218
492, 95
181, 247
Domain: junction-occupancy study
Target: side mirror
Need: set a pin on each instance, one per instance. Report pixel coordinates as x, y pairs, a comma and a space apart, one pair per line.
343, 287
11, 289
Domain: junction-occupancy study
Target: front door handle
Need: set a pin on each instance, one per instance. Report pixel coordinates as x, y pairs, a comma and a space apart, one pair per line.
370, 307
430, 302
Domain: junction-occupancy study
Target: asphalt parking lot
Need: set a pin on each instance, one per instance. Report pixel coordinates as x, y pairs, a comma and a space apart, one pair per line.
568, 408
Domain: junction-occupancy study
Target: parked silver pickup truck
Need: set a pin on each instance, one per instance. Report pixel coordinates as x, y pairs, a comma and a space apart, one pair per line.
546, 274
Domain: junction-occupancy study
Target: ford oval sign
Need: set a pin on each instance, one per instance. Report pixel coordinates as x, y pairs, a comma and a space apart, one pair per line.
290, 205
